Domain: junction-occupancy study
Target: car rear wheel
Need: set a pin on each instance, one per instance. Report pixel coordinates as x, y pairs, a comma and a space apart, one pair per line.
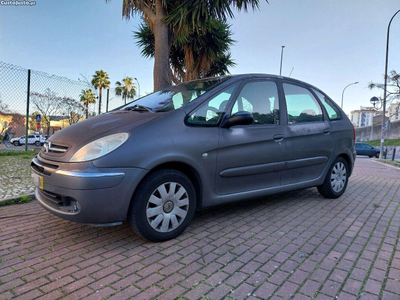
336, 179
163, 206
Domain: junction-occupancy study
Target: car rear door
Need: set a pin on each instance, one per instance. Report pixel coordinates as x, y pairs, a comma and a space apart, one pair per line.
309, 144
251, 157
31, 139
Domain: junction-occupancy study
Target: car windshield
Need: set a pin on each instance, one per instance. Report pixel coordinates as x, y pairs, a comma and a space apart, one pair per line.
173, 97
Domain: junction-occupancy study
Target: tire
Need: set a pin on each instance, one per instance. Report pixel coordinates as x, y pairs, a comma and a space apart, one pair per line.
376, 155
37, 143
336, 179
16, 143
155, 214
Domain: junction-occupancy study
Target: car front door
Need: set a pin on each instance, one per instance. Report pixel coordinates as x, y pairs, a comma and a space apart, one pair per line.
309, 143
250, 157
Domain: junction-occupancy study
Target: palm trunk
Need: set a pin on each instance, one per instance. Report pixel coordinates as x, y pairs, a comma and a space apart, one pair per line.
87, 110
189, 64
100, 101
162, 42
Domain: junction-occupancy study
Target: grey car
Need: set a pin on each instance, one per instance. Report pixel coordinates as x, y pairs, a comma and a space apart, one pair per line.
156, 160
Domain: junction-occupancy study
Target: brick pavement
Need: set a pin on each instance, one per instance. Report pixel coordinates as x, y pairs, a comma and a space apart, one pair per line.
297, 245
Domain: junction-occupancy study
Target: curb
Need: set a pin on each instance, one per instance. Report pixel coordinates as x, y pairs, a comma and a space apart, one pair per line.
10, 201
386, 164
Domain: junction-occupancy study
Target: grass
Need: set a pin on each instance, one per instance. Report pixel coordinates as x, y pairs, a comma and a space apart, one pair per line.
21, 200
377, 143
23, 154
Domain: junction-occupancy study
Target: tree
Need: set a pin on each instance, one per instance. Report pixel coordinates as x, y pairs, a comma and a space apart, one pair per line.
167, 18
73, 110
127, 88
100, 81
87, 97
393, 86
3, 107
48, 104
203, 53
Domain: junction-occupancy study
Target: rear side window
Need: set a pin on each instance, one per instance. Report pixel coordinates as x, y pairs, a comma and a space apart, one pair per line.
331, 109
261, 99
301, 105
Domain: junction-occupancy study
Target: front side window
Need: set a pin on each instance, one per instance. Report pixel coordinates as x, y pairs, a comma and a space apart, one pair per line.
261, 99
331, 109
301, 105
211, 111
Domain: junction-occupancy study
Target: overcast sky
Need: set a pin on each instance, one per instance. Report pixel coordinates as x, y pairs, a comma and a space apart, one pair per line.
329, 43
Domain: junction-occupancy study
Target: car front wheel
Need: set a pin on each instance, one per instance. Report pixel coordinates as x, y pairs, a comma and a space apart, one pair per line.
336, 179
163, 206
16, 143
37, 143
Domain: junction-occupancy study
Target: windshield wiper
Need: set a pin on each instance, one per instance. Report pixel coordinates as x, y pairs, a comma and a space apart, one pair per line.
138, 107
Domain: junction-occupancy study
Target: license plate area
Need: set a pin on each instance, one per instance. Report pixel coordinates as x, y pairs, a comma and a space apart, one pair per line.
37, 180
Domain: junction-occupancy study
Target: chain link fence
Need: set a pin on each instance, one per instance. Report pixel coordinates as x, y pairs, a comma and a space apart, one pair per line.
35, 104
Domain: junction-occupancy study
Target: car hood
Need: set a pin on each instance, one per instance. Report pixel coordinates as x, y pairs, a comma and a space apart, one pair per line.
64, 143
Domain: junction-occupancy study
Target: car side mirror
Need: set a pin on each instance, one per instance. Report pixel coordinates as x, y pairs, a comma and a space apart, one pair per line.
240, 118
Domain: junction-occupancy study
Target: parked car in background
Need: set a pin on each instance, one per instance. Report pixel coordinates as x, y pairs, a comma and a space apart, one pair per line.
33, 139
366, 149
198, 144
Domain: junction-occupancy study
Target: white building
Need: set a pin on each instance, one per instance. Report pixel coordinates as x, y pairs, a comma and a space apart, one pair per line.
363, 117
394, 111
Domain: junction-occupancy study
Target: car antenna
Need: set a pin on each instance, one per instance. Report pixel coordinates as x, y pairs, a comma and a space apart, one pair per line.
291, 72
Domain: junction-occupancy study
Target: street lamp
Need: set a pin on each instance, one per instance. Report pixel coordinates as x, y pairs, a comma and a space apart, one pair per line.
138, 85
341, 106
375, 101
385, 86
280, 71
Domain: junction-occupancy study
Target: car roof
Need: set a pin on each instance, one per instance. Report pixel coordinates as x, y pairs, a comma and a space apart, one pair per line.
263, 75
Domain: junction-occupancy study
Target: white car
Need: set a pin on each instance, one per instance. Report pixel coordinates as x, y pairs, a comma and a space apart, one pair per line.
36, 139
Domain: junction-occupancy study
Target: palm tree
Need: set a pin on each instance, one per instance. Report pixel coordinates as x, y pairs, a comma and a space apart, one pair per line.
127, 88
167, 18
100, 81
202, 53
87, 97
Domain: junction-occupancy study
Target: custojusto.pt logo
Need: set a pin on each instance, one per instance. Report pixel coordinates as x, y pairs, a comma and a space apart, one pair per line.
18, 3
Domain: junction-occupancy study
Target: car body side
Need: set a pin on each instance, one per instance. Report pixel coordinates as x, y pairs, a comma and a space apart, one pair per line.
167, 142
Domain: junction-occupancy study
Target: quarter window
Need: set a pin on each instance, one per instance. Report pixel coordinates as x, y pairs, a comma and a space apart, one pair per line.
301, 105
331, 109
261, 99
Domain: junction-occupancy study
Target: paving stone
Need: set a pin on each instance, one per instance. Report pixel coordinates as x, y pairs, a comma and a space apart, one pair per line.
296, 245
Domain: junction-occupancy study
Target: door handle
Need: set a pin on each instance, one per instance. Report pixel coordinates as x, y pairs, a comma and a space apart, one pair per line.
327, 130
278, 137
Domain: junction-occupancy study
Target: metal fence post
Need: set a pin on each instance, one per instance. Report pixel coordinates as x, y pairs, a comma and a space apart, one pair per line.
27, 109
108, 96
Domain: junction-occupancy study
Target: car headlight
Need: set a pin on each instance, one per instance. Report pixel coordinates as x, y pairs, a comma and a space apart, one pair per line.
100, 147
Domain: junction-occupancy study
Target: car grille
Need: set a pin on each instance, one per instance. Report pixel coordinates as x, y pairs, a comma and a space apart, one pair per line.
40, 167
50, 147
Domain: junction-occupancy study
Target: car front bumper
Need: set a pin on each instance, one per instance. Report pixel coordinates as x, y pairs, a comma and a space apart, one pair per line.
81, 192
